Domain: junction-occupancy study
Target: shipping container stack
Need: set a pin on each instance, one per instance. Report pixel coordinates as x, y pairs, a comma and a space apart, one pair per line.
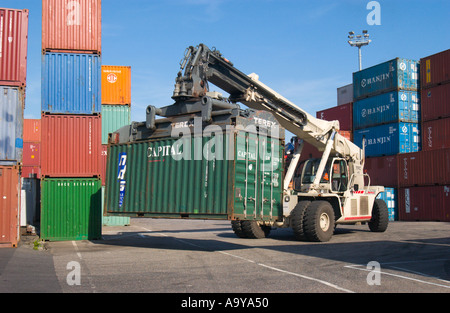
116, 112
13, 70
386, 113
71, 120
424, 177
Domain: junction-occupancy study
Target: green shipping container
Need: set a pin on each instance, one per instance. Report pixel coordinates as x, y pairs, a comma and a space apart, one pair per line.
113, 220
113, 118
230, 175
71, 209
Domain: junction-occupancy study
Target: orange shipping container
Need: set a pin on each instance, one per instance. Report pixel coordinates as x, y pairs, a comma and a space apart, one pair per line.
9, 204
71, 26
32, 130
116, 85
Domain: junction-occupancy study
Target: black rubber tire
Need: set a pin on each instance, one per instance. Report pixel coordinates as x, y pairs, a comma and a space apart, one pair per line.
237, 228
319, 221
253, 230
297, 219
380, 217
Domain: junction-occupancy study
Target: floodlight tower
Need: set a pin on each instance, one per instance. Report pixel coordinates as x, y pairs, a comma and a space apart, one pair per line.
359, 41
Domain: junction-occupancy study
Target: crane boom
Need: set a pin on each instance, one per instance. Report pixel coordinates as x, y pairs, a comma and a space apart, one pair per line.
202, 65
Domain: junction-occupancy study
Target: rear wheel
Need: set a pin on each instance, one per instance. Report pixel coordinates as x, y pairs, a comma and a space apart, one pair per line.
380, 217
237, 228
297, 218
319, 221
252, 229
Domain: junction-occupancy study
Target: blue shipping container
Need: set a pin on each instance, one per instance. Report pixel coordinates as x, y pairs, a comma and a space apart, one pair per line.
392, 75
390, 197
71, 83
391, 107
12, 104
389, 139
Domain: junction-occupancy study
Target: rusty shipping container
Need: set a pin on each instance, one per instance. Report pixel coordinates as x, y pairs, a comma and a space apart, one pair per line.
424, 168
342, 113
435, 102
9, 206
424, 203
436, 134
116, 85
383, 171
71, 26
13, 47
32, 130
71, 145
435, 69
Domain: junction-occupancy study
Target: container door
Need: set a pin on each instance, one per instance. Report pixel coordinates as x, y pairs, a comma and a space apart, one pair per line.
258, 171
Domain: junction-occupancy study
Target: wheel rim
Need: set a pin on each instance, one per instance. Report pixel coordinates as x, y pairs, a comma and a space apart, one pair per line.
324, 221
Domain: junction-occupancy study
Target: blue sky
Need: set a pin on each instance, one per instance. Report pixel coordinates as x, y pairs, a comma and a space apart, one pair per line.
298, 48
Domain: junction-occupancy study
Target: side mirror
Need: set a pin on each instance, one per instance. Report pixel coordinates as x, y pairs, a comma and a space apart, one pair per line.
356, 187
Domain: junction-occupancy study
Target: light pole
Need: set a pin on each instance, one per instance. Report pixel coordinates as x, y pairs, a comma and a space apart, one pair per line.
359, 41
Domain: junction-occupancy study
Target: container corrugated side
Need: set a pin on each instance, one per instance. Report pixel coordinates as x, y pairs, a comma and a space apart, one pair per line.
389, 139
116, 85
435, 102
387, 108
424, 203
13, 47
113, 220
389, 195
383, 171
70, 209
424, 168
31, 172
388, 76
71, 145
72, 25
71, 83
435, 134
9, 206
113, 118
174, 179
12, 104
342, 113
435, 69
32, 130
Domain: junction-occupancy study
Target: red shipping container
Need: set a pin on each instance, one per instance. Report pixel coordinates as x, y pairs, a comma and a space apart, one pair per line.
383, 171
31, 171
71, 145
104, 157
435, 69
9, 206
436, 134
31, 154
71, 26
424, 168
343, 113
435, 102
32, 130
13, 47
428, 203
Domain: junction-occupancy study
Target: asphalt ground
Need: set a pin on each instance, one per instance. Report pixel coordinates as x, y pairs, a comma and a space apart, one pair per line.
194, 257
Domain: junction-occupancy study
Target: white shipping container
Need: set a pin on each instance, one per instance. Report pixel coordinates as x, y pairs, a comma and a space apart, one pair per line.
345, 94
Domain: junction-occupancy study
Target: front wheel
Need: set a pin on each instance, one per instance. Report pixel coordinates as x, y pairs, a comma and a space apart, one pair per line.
380, 217
319, 221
